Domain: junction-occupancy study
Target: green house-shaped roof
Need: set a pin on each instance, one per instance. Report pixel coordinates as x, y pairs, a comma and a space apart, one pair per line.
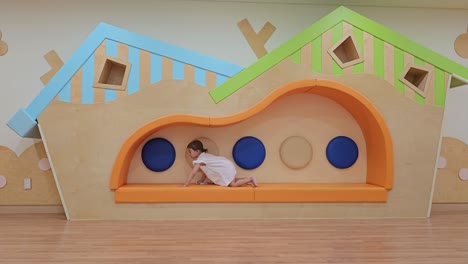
341, 14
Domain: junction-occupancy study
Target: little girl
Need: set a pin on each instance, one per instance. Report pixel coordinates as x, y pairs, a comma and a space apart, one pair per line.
219, 170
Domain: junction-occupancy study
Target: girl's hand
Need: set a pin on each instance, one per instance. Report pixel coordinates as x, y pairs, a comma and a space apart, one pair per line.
190, 177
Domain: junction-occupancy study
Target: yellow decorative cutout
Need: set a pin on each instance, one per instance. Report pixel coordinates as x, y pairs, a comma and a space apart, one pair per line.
256, 41
55, 64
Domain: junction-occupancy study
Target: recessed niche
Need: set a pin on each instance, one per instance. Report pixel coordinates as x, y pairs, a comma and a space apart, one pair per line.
346, 52
113, 74
417, 78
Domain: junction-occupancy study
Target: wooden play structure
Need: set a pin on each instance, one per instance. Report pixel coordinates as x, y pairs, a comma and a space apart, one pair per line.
342, 120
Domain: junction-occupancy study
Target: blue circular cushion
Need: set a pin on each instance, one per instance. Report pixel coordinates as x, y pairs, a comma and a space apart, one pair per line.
158, 154
249, 152
342, 152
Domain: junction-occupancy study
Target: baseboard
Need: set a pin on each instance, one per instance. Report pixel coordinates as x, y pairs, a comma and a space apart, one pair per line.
449, 207
31, 209
58, 209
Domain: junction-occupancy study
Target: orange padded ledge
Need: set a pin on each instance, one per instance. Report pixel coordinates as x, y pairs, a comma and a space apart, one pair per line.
171, 193
267, 192
320, 192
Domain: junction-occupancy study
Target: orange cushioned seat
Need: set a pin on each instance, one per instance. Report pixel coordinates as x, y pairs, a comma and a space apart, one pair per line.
171, 193
320, 192
266, 192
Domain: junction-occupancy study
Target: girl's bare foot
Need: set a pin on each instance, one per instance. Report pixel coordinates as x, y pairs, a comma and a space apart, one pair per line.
254, 181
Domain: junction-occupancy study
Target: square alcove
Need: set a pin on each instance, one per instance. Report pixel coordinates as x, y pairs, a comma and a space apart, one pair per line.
346, 52
417, 78
113, 74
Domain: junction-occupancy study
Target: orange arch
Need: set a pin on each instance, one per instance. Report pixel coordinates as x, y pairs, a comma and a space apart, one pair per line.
376, 133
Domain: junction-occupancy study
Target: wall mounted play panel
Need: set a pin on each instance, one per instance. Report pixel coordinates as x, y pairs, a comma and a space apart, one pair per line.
413, 122
84, 172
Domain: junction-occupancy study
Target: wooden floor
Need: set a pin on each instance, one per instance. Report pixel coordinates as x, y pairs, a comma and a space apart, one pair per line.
49, 238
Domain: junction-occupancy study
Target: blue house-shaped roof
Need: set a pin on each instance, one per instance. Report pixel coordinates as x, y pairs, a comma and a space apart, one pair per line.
24, 121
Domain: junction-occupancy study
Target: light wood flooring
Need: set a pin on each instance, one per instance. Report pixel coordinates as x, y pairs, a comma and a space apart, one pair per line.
49, 238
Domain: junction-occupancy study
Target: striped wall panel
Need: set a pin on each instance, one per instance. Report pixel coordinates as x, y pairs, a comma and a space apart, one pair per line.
380, 58
146, 69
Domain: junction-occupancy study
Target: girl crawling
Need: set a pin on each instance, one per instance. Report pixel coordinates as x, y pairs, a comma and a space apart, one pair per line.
218, 169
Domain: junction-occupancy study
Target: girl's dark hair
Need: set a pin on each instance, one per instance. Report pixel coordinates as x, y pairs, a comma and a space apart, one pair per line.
196, 145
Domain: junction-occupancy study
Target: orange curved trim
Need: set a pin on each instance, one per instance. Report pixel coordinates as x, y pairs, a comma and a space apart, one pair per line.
128, 149
380, 156
376, 133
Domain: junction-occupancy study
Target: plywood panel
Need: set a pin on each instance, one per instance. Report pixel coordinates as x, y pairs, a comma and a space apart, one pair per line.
15, 169
327, 60
409, 59
306, 55
122, 53
368, 52
430, 95
189, 73
98, 60
449, 187
76, 84
210, 80
347, 29
22, 210
145, 68
389, 55
84, 147
166, 68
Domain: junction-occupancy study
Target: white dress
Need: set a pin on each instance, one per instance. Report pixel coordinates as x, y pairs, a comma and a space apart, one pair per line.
218, 169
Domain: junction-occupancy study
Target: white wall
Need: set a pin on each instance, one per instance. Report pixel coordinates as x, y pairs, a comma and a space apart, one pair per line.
32, 28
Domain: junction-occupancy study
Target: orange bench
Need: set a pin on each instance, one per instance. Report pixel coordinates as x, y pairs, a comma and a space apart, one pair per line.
320, 192
266, 192
171, 193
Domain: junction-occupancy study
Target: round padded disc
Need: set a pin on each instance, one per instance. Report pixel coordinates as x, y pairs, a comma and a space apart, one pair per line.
158, 154
249, 152
3, 181
463, 174
296, 152
342, 152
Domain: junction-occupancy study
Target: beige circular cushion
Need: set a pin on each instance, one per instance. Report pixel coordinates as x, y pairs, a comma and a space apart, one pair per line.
3, 48
461, 45
207, 144
296, 152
